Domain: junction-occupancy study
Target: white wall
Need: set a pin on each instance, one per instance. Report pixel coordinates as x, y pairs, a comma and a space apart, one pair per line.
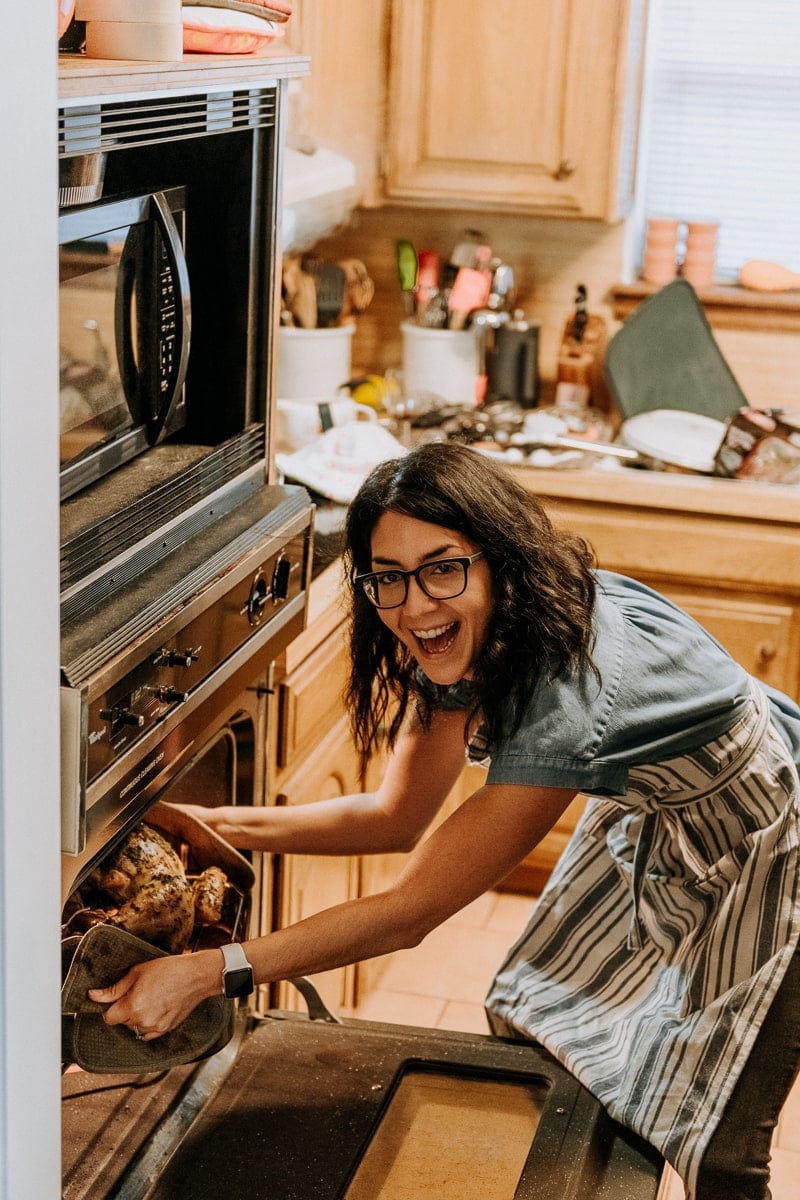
29, 803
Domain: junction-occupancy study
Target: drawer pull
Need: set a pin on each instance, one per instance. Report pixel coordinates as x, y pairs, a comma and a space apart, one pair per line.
766, 651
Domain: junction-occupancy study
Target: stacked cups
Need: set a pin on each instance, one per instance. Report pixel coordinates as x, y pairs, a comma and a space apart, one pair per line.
662, 259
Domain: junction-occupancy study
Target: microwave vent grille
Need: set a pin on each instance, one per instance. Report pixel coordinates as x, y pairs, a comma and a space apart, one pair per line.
189, 476
118, 125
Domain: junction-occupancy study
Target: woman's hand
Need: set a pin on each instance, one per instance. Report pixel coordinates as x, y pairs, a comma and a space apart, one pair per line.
156, 996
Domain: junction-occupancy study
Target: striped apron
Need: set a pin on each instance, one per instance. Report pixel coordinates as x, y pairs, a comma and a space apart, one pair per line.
657, 946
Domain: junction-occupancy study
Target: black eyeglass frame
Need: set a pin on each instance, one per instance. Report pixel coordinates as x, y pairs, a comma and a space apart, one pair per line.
465, 561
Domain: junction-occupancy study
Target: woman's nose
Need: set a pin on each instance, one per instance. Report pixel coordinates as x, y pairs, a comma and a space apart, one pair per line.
417, 599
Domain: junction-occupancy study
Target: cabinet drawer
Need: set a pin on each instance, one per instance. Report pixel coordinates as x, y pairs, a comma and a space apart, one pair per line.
310, 699
306, 883
760, 635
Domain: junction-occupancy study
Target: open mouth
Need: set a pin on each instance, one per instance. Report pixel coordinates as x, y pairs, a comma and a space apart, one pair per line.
437, 641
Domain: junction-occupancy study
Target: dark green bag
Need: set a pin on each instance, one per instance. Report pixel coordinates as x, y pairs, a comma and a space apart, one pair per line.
665, 356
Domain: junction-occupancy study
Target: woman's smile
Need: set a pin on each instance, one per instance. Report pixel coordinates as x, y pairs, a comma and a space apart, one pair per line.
444, 635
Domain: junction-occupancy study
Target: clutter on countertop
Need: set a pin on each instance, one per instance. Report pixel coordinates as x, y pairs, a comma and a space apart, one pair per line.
317, 294
675, 247
448, 293
163, 30
665, 356
337, 463
582, 352
761, 276
761, 444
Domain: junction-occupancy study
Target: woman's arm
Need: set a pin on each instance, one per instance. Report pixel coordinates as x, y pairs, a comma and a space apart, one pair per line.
422, 769
466, 855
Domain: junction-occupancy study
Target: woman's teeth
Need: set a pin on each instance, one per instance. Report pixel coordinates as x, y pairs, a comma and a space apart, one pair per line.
439, 640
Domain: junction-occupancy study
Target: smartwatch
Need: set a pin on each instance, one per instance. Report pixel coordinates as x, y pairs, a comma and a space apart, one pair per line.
237, 973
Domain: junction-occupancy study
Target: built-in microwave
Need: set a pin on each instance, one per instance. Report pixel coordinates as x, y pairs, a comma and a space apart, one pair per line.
124, 330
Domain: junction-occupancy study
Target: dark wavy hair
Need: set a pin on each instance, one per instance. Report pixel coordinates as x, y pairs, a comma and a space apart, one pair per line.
543, 585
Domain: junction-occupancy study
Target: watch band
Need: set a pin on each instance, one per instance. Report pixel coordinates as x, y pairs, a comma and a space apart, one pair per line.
237, 971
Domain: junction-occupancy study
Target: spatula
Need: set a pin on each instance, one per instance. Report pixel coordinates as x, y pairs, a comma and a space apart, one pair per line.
330, 282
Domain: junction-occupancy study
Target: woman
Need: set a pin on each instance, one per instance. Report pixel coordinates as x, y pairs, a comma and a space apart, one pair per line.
660, 963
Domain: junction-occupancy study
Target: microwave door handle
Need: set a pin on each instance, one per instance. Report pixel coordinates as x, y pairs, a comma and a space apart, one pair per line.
183, 319
123, 327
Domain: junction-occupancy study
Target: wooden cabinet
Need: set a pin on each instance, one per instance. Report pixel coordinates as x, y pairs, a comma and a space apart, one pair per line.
527, 106
313, 758
521, 105
306, 884
760, 634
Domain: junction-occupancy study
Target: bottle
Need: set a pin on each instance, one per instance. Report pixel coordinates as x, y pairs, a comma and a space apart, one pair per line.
513, 372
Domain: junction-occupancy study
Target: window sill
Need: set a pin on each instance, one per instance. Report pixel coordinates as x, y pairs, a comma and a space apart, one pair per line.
727, 306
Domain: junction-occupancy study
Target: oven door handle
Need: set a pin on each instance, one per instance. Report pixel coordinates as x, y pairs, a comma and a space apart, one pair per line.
317, 1010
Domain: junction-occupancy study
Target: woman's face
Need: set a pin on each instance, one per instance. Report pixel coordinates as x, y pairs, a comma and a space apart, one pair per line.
444, 636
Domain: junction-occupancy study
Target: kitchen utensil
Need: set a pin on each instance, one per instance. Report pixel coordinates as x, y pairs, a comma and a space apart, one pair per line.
427, 279
299, 293
580, 356
502, 292
680, 439
513, 369
562, 441
359, 287
406, 272
665, 357
468, 251
470, 291
330, 283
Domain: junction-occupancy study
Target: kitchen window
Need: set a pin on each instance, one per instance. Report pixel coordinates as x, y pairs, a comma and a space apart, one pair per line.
722, 96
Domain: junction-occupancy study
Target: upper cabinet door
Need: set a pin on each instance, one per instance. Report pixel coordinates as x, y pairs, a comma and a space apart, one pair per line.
516, 105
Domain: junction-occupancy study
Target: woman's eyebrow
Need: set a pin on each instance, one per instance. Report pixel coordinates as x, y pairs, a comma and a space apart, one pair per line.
440, 552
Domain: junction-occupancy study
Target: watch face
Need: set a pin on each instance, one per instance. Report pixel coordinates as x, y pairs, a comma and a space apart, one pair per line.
238, 982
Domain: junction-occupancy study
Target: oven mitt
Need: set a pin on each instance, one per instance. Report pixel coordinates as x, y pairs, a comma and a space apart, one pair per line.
99, 958
665, 355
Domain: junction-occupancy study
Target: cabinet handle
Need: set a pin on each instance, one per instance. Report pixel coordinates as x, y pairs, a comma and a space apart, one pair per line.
564, 169
766, 651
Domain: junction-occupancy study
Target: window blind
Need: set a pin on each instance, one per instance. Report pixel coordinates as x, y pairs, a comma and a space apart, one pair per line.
722, 124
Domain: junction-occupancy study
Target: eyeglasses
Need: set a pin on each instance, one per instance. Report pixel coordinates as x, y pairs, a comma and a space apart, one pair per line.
441, 580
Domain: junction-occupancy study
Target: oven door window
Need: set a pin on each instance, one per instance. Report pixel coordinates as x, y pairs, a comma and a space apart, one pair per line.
452, 1137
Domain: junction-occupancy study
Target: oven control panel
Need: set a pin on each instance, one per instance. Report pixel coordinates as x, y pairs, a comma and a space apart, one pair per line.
170, 674
161, 641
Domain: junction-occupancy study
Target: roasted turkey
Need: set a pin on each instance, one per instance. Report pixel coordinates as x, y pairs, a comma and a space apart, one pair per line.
147, 886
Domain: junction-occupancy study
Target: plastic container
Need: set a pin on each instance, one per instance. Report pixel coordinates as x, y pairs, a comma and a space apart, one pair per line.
313, 363
441, 362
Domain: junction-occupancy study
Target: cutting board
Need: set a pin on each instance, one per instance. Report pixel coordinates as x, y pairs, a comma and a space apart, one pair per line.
665, 356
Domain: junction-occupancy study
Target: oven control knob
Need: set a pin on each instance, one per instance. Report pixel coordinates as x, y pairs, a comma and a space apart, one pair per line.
257, 600
122, 716
168, 694
280, 578
178, 658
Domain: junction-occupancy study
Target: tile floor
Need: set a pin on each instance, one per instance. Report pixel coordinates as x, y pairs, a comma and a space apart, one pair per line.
441, 984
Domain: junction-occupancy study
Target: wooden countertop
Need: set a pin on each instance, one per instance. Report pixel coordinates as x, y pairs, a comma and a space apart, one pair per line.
85, 78
696, 494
